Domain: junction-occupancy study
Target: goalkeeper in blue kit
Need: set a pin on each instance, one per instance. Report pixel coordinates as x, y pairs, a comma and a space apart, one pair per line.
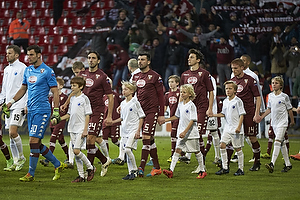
38, 80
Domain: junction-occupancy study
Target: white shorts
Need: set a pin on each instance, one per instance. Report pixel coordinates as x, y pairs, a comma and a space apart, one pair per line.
212, 123
128, 142
16, 118
279, 133
188, 145
77, 141
237, 140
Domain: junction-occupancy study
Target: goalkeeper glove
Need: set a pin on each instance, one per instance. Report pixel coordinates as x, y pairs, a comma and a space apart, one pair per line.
55, 115
5, 110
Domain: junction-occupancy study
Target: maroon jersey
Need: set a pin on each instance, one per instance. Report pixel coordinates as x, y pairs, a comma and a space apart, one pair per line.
171, 100
201, 81
62, 99
97, 84
247, 90
115, 114
150, 92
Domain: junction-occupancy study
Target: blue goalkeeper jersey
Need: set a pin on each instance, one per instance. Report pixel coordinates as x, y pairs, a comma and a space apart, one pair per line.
39, 81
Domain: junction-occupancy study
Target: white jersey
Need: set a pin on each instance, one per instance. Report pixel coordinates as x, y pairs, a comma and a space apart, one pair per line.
12, 82
186, 113
79, 107
279, 105
233, 109
133, 73
131, 113
215, 107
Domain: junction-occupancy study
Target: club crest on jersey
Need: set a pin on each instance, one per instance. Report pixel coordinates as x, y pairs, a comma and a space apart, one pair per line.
89, 82
246, 81
240, 88
187, 111
149, 77
97, 76
141, 83
192, 80
32, 79
42, 70
200, 73
172, 100
16, 73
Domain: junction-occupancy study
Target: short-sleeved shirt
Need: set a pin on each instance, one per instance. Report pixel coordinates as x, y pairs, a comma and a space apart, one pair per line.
149, 85
247, 90
131, 113
171, 100
115, 114
79, 107
186, 113
62, 99
279, 105
201, 81
233, 109
39, 80
97, 84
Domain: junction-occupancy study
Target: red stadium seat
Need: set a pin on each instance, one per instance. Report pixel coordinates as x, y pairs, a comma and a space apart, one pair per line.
39, 31
31, 40
99, 13
67, 31
4, 39
71, 40
41, 5
35, 21
49, 21
52, 59
23, 58
14, 5
31, 13
26, 5
62, 49
63, 22
45, 13
77, 22
57, 40
53, 30
89, 22
80, 4
7, 22
43, 39
4, 14
2, 31
47, 49
3, 5
68, 5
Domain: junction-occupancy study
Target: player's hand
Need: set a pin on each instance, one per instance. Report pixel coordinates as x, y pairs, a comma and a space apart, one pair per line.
5, 110
292, 124
161, 120
137, 135
257, 118
84, 134
64, 107
108, 121
237, 130
55, 118
209, 113
182, 135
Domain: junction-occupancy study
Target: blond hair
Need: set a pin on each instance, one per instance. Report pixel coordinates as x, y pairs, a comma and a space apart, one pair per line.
233, 83
129, 85
190, 89
279, 79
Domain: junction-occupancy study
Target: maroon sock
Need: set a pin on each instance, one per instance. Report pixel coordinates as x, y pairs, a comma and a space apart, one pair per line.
201, 144
230, 150
91, 151
173, 145
270, 144
208, 144
53, 140
145, 152
4, 149
256, 151
100, 156
153, 154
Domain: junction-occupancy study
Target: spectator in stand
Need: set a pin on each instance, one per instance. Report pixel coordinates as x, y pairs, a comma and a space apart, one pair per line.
147, 28
225, 55
122, 17
118, 33
159, 55
173, 60
292, 55
119, 64
230, 23
133, 39
146, 48
18, 32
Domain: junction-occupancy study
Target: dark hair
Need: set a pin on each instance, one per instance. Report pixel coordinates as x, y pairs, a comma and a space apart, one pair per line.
145, 54
95, 52
78, 65
78, 80
15, 48
35, 47
60, 81
198, 54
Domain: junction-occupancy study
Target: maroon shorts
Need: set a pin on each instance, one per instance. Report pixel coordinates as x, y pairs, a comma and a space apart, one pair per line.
57, 130
250, 127
150, 124
111, 132
95, 124
174, 128
202, 122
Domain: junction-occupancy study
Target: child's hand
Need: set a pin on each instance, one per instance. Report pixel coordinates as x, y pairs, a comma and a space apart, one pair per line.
292, 124
63, 107
182, 135
137, 135
84, 134
238, 130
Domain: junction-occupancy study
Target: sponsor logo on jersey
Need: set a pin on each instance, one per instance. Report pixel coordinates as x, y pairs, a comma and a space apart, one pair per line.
141, 83
32, 79
172, 100
89, 82
192, 80
42, 70
240, 88
106, 102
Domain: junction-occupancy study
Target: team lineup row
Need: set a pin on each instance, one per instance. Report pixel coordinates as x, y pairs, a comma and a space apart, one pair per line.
144, 105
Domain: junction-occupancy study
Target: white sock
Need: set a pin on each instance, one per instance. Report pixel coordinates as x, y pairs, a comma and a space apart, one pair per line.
285, 155
199, 158
248, 141
14, 150
79, 164
85, 160
175, 158
131, 160
276, 150
104, 149
71, 154
188, 155
224, 158
216, 143
121, 153
240, 156
18, 142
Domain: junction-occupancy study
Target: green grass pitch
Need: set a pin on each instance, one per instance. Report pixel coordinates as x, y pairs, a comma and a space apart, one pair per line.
184, 185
